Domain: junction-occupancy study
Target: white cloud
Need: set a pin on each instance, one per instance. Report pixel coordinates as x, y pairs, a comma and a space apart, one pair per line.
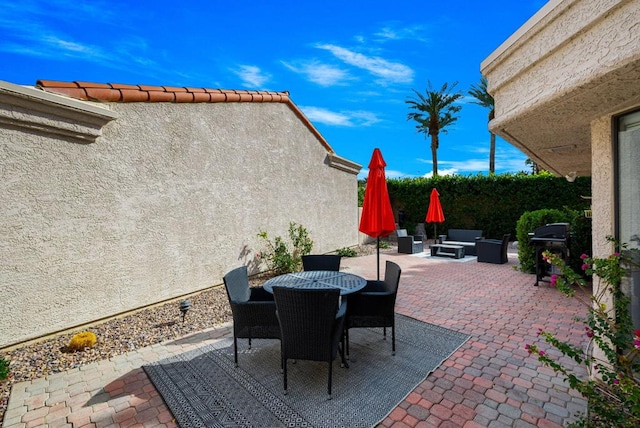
322, 74
252, 77
344, 118
318, 114
393, 72
441, 172
402, 33
36, 34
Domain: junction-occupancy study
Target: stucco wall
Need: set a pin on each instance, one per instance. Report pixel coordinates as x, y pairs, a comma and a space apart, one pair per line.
602, 186
163, 203
571, 63
571, 44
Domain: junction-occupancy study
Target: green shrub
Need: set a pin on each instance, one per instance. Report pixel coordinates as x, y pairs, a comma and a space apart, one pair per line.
347, 252
4, 368
491, 203
580, 235
283, 258
527, 223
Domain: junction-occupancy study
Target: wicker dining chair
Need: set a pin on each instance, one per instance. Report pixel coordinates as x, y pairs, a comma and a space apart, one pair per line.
321, 262
374, 305
311, 326
253, 309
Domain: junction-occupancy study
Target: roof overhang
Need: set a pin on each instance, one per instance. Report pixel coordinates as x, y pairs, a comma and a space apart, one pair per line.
573, 62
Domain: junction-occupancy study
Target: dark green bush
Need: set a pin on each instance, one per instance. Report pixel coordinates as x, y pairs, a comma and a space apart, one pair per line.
490, 203
580, 235
527, 223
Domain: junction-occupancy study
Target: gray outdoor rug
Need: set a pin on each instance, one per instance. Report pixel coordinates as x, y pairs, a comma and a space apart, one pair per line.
202, 388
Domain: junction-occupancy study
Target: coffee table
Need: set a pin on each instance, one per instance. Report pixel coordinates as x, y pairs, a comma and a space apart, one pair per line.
447, 250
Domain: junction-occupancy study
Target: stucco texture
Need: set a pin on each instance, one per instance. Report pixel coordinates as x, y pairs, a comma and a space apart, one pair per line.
166, 201
572, 63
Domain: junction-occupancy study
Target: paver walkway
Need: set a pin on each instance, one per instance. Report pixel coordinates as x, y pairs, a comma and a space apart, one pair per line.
489, 382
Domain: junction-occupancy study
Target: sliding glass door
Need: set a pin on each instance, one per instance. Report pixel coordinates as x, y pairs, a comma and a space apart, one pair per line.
628, 202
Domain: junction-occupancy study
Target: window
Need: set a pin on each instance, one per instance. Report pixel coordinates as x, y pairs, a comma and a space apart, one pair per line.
628, 201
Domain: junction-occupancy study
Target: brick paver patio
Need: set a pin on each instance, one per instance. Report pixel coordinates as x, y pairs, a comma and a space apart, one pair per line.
489, 382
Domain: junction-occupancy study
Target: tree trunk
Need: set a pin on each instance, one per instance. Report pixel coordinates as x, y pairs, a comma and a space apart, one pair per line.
492, 154
434, 153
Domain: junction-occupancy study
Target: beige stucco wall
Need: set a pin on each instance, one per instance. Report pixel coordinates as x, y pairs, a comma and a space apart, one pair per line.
166, 200
570, 64
602, 186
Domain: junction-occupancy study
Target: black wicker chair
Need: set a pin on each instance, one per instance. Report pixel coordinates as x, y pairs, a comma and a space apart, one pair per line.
409, 244
311, 326
374, 306
493, 250
321, 262
253, 308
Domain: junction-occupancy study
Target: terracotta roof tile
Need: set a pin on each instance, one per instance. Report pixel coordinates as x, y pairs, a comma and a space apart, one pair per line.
56, 84
103, 94
201, 97
93, 85
173, 89
161, 97
133, 96
121, 86
183, 97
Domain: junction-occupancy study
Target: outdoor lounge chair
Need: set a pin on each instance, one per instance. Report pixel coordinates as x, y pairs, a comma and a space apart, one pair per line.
374, 306
253, 309
409, 244
321, 262
311, 326
493, 250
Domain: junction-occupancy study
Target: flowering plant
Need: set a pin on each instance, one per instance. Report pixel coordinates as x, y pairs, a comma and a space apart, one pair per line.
613, 385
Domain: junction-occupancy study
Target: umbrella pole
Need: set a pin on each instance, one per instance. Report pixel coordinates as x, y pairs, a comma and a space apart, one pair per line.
378, 248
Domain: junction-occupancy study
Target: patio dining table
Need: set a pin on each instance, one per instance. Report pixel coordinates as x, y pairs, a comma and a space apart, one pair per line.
347, 282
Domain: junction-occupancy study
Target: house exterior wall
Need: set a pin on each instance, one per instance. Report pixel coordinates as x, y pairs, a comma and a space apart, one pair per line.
167, 199
559, 80
570, 64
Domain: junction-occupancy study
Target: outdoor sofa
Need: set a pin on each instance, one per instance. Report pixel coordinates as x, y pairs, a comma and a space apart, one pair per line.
465, 237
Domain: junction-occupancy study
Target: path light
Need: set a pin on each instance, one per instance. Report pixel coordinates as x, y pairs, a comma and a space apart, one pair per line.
184, 308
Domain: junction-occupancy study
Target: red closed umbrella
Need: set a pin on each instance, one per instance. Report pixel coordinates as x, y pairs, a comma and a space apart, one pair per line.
377, 216
435, 213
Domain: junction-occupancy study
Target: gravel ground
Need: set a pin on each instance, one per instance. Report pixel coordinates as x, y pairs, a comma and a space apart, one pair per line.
121, 335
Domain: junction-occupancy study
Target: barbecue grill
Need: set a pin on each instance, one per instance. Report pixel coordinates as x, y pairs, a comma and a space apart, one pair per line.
554, 237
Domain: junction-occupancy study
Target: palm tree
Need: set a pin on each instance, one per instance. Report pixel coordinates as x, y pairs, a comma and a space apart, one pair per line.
479, 92
435, 110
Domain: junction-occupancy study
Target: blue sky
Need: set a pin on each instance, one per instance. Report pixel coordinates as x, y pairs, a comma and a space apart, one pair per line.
349, 65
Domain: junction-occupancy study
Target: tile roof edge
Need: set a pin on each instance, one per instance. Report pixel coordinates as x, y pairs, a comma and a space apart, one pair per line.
125, 93
116, 92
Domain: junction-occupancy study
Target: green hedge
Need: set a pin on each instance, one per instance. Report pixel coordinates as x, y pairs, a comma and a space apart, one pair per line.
492, 203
